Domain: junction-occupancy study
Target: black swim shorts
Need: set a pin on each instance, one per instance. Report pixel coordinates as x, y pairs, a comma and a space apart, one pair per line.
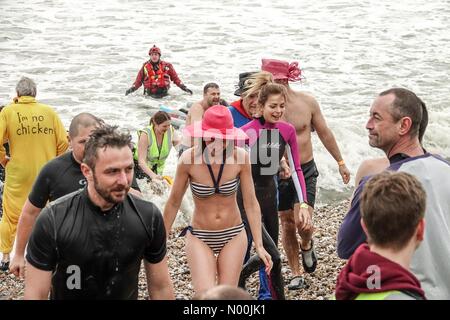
287, 196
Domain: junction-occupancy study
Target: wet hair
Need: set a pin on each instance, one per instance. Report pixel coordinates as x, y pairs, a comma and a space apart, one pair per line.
224, 292
255, 82
269, 90
84, 120
210, 85
407, 104
159, 117
26, 87
104, 137
392, 205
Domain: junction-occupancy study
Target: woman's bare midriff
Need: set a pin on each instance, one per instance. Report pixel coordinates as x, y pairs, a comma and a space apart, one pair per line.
216, 213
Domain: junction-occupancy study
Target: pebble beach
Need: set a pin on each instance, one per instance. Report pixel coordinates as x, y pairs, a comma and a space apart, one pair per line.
321, 283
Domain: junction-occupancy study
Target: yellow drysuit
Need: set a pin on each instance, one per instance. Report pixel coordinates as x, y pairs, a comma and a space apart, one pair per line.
35, 135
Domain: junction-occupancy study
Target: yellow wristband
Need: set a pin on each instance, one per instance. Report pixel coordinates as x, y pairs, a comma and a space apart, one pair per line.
304, 205
341, 163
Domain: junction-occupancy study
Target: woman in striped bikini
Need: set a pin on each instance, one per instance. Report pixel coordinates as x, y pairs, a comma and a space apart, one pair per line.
216, 240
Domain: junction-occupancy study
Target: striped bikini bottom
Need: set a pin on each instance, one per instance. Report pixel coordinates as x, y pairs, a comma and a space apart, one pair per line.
216, 239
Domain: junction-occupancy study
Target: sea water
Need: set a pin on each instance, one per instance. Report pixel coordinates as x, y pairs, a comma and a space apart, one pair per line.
84, 54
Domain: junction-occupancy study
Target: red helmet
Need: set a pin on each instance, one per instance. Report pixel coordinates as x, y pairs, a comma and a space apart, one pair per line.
154, 49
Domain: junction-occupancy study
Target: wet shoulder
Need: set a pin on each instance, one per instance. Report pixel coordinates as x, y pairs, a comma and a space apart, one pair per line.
64, 207
60, 163
305, 99
305, 96
138, 201
148, 210
66, 201
56, 166
195, 106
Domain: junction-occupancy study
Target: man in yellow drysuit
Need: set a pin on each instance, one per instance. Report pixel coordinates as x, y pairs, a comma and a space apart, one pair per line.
36, 135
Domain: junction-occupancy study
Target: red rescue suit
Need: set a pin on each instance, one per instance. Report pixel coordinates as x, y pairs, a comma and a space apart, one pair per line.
156, 80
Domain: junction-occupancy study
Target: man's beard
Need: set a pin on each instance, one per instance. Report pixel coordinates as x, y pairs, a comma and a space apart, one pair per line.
213, 103
107, 194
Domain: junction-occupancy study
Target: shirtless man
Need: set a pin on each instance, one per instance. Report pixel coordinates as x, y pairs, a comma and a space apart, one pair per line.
303, 112
211, 97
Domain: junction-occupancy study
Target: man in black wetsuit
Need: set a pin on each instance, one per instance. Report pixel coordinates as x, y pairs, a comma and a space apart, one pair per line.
89, 244
57, 178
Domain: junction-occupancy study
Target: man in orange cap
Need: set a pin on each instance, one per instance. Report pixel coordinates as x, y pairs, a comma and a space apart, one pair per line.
156, 75
303, 112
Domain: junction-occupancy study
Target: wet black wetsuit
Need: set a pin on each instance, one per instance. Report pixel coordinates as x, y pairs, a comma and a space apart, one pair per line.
73, 238
252, 264
57, 178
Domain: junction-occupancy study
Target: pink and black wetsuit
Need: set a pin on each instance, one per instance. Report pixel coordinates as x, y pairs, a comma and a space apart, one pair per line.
268, 143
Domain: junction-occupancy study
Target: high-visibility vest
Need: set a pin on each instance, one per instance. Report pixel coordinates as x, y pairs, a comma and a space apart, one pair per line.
373, 296
376, 295
154, 79
156, 157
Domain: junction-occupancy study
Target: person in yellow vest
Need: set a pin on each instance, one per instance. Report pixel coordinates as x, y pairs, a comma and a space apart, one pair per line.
392, 211
154, 145
36, 135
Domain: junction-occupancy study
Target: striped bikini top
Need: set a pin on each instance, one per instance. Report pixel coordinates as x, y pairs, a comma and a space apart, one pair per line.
203, 191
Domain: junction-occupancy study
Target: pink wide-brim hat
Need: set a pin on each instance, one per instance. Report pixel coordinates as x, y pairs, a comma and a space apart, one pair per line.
217, 123
282, 69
